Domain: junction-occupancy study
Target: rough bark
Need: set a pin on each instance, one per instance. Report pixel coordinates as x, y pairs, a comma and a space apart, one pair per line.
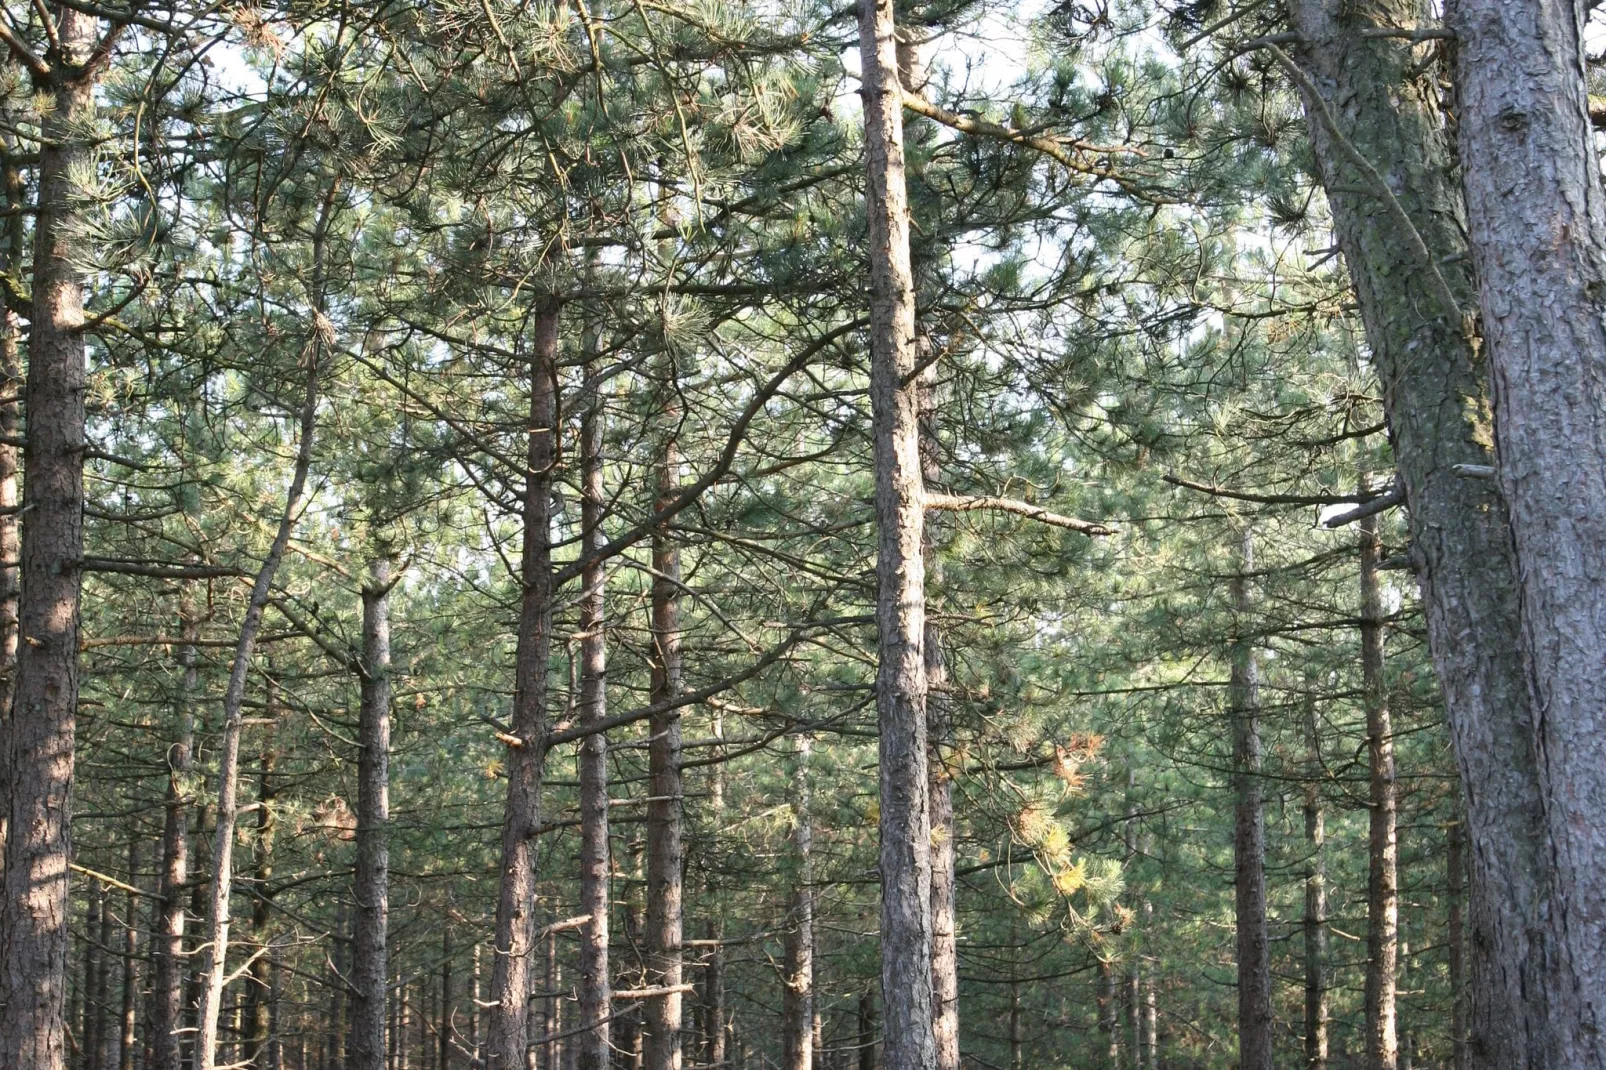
797, 980
1249, 834
371, 884
1383, 99
905, 850
665, 849
595, 992
1315, 923
41, 733
509, 1016
1382, 900
214, 970
1536, 219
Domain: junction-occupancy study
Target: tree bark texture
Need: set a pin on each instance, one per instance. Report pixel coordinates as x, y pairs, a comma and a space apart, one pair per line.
41, 733
508, 1028
1536, 217
900, 601
371, 884
1383, 99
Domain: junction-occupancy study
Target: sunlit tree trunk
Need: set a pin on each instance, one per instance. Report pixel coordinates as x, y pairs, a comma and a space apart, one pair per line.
1382, 904
797, 996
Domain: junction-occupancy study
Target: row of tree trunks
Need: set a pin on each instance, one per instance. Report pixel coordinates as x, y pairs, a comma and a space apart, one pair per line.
905, 850
508, 1028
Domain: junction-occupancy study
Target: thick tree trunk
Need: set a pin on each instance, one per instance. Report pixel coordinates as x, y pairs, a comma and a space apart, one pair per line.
509, 1025
1536, 216
40, 737
370, 965
900, 600
1382, 901
1383, 100
797, 980
166, 1001
665, 871
214, 971
595, 992
1315, 925
1249, 833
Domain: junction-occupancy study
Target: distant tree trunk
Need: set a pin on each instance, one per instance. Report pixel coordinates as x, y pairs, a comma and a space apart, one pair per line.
1249, 833
900, 600
665, 868
595, 991
1315, 899
867, 1030
1382, 905
1536, 218
94, 983
1109, 1005
192, 977
370, 965
214, 971
1384, 100
509, 1027
42, 722
13, 254
1016, 1059
444, 1039
166, 1002
131, 929
797, 994
1456, 935
474, 1012
259, 1010
1151, 1024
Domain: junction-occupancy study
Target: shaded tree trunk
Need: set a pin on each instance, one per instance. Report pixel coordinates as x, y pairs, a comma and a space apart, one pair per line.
1249, 834
797, 995
1315, 899
259, 1008
1383, 100
130, 988
1536, 218
1382, 902
42, 728
905, 851
371, 884
867, 1030
595, 991
665, 869
509, 1018
1109, 1005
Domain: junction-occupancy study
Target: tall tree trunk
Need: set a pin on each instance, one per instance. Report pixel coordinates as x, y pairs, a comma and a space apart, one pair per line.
509, 1025
214, 971
1109, 1005
166, 1001
371, 884
665, 908
867, 1030
447, 1015
1456, 935
94, 984
595, 993
797, 994
130, 989
1315, 898
1016, 1061
1378, 95
905, 850
191, 1005
41, 734
1536, 217
1249, 832
1382, 902
13, 254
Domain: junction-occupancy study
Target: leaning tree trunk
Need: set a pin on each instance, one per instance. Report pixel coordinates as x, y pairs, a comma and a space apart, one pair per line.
1382, 901
1249, 833
665, 869
797, 972
40, 737
594, 989
900, 598
214, 969
1373, 99
509, 1017
371, 884
1536, 216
